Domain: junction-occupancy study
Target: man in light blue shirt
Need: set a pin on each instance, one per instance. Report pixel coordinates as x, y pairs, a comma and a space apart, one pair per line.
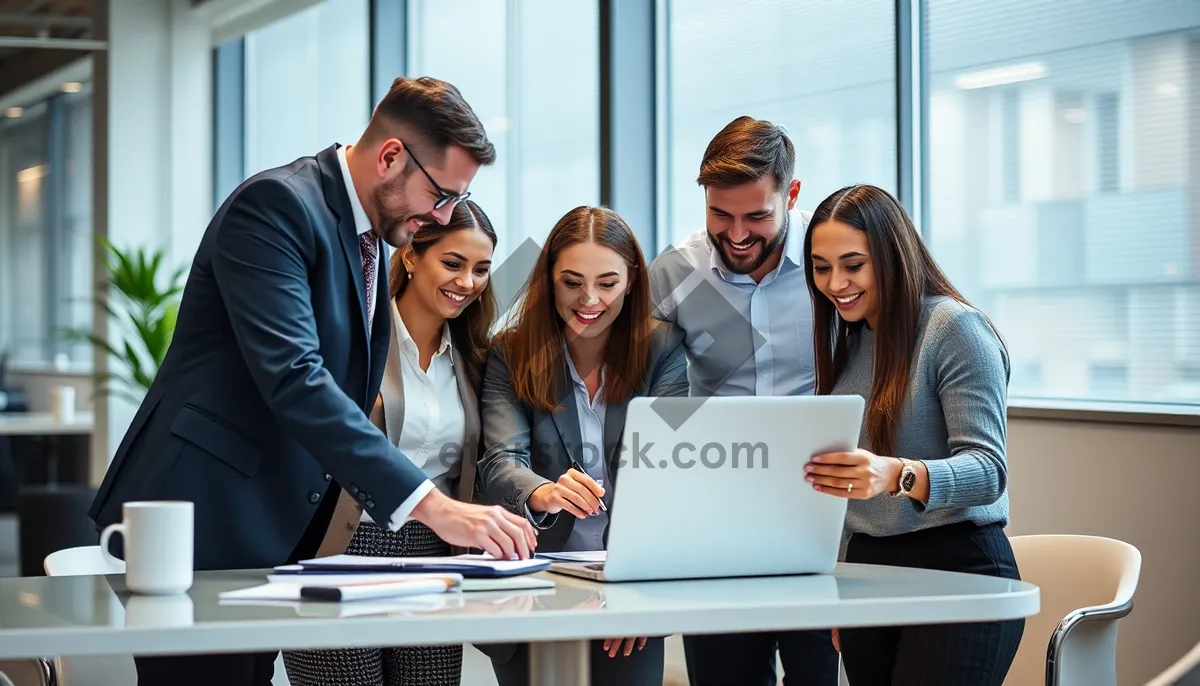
737, 289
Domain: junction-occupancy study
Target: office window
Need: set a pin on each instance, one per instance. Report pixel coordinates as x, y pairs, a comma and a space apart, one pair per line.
307, 83
1063, 139
530, 70
824, 69
46, 228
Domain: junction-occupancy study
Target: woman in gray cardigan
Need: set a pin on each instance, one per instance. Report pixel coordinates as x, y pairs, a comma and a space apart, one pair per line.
555, 393
927, 484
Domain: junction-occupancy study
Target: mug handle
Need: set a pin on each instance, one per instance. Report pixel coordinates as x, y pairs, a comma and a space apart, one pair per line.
104, 536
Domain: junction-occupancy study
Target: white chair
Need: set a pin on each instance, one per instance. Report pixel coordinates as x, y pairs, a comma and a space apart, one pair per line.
84, 671
107, 669
1087, 585
1185, 671
82, 561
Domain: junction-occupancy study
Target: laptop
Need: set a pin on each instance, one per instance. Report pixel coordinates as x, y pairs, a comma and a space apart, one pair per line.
715, 487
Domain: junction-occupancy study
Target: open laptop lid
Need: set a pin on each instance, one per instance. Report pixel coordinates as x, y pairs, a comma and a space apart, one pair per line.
711, 487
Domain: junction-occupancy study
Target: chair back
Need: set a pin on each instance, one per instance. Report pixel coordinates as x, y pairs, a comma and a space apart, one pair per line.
1073, 572
80, 561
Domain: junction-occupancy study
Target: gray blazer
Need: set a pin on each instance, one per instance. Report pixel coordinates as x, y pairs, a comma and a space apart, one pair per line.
390, 409
526, 447
388, 415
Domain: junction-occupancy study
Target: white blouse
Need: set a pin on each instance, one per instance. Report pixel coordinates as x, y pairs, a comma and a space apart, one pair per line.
434, 419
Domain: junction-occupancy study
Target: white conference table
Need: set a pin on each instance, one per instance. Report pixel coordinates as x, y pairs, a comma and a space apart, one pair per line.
44, 424
94, 615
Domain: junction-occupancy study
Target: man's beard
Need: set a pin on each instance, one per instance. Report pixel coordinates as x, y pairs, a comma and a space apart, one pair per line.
393, 224
747, 265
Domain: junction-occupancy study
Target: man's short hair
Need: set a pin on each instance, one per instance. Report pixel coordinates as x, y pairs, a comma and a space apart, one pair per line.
435, 112
745, 151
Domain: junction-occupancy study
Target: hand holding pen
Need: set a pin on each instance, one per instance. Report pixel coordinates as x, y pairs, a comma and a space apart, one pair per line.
596, 489
574, 492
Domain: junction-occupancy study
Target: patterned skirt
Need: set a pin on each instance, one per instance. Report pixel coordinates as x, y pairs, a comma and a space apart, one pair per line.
409, 666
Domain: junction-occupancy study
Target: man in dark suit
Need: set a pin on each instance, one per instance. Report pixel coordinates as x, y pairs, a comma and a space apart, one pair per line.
258, 414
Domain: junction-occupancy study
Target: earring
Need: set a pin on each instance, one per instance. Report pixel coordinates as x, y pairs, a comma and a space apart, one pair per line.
410, 275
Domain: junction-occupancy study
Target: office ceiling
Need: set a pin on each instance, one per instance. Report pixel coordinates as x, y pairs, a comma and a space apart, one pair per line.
33, 19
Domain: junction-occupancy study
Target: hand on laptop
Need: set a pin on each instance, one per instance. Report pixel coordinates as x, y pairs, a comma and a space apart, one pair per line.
623, 645
574, 492
857, 474
494, 529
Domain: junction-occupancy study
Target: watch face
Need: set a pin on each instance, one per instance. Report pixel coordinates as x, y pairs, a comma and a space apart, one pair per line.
907, 480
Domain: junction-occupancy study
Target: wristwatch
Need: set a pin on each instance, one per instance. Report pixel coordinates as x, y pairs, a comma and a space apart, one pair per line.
908, 477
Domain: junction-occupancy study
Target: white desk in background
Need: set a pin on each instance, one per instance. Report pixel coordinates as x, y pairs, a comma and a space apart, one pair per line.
47, 616
44, 424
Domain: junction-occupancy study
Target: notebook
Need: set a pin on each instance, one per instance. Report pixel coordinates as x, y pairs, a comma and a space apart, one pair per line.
352, 587
297, 574
469, 566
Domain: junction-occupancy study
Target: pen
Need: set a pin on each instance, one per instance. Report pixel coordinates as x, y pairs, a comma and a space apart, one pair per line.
576, 467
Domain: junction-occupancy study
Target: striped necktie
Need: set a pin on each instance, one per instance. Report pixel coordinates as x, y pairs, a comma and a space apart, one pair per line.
369, 243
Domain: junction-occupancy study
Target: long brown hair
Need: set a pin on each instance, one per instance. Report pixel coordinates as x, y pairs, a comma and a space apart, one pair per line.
469, 330
905, 272
533, 342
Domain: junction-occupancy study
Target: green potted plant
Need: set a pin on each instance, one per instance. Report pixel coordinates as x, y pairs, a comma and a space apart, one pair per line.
143, 315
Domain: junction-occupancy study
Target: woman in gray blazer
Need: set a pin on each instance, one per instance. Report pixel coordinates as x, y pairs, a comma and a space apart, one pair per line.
555, 395
442, 309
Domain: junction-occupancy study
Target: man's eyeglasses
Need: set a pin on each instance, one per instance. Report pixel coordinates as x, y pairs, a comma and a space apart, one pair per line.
444, 196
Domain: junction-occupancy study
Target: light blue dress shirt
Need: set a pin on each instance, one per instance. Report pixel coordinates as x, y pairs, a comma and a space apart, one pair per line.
742, 337
588, 533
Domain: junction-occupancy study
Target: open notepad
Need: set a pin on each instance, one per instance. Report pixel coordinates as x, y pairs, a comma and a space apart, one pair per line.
292, 575
349, 587
469, 566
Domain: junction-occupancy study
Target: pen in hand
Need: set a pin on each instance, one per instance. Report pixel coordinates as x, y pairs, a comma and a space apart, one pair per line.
575, 465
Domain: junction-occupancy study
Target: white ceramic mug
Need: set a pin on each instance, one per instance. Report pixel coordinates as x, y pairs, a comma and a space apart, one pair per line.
158, 539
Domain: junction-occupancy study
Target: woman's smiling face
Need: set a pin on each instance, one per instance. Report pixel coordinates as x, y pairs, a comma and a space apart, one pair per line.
843, 271
590, 283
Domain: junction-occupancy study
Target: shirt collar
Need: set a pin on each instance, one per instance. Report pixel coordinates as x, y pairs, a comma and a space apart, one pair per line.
575, 372
793, 246
361, 223
403, 336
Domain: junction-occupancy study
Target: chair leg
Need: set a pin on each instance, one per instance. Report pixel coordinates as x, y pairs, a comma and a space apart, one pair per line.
49, 673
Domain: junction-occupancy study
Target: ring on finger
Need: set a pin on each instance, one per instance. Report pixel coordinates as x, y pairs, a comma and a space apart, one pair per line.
850, 487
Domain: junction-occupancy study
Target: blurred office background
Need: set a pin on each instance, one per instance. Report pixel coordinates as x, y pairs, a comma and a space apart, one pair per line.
1049, 150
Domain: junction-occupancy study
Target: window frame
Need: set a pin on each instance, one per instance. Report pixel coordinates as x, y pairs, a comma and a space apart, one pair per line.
912, 79
634, 116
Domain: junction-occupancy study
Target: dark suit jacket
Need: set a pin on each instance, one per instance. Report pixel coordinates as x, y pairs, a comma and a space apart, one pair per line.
525, 447
263, 396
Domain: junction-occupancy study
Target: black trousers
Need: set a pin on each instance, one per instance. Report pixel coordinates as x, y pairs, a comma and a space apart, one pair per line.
245, 669
976, 654
808, 658
641, 668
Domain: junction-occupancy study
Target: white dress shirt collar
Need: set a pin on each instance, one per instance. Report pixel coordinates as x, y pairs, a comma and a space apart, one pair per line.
362, 224
404, 338
792, 258
578, 381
